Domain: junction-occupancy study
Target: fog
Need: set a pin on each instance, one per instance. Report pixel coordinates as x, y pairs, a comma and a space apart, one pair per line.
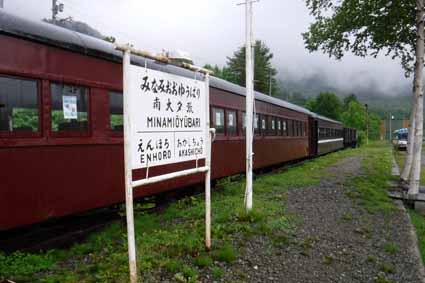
212, 30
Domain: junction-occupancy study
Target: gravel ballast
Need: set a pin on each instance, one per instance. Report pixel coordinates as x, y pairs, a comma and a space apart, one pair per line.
335, 240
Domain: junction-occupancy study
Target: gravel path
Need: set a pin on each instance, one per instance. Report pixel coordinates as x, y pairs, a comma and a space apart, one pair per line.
334, 241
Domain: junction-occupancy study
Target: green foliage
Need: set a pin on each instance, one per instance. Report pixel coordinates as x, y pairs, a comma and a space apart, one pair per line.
234, 71
364, 28
326, 104
20, 265
58, 118
354, 116
348, 99
173, 239
419, 222
25, 118
391, 248
203, 261
217, 272
226, 253
370, 189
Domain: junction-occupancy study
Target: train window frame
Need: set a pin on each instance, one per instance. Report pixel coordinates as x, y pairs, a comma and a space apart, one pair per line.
214, 118
233, 133
272, 126
264, 124
256, 122
28, 134
115, 132
279, 126
70, 133
285, 127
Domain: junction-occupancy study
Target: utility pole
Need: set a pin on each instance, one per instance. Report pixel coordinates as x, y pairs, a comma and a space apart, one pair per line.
390, 133
56, 8
249, 69
270, 82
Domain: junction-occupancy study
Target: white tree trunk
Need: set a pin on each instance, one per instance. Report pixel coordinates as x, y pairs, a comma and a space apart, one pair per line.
419, 68
410, 142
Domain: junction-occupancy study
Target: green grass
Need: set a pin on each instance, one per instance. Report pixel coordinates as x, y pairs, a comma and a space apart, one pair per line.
371, 187
419, 222
172, 241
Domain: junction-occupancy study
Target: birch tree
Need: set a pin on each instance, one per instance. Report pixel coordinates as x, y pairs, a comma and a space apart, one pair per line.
369, 28
419, 103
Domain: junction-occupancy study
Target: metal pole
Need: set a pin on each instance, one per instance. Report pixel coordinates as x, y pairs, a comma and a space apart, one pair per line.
128, 170
249, 104
54, 10
390, 134
367, 124
207, 164
270, 82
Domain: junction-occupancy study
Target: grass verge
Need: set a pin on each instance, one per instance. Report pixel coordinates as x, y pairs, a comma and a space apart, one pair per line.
419, 222
170, 243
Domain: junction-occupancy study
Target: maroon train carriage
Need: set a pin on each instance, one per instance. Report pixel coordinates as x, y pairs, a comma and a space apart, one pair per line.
52, 166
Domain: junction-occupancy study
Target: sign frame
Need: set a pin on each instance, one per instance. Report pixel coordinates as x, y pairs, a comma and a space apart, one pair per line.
130, 184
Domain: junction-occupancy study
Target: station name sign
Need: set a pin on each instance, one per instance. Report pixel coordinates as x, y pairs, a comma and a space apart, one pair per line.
167, 117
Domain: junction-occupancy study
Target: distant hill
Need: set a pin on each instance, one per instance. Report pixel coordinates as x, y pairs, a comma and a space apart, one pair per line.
298, 91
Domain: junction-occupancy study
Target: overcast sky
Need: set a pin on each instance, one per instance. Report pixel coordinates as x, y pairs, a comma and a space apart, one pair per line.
210, 30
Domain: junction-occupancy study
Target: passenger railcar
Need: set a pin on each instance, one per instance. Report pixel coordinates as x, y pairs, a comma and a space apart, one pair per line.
52, 166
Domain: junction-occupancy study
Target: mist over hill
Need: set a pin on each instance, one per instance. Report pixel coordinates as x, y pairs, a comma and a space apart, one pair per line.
382, 99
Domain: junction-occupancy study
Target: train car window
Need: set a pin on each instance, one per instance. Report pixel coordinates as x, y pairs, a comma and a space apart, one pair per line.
69, 108
231, 123
272, 126
295, 125
218, 120
285, 127
279, 127
116, 112
19, 109
322, 133
257, 124
264, 124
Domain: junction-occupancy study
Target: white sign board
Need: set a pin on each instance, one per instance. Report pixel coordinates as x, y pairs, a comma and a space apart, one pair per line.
167, 116
69, 104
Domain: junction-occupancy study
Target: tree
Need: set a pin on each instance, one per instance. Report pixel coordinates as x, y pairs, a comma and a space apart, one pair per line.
264, 73
297, 98
354, 116
326, 104
370, 28
364, 28
347, 100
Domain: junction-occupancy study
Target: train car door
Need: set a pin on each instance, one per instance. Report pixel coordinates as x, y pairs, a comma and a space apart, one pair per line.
313, 136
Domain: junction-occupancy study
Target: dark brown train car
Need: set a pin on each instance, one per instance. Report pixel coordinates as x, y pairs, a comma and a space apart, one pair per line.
330, 135
51, 167
350, 137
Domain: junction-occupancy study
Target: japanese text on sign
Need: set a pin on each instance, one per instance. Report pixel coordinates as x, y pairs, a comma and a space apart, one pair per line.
168, 118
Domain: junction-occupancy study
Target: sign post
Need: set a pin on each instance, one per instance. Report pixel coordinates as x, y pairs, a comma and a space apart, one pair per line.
166, 120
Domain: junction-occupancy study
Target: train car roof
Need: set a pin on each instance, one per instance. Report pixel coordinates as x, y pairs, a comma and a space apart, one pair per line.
60, 37
327, 119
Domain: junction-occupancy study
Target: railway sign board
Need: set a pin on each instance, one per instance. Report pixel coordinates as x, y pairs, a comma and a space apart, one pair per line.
166, 120
167, 116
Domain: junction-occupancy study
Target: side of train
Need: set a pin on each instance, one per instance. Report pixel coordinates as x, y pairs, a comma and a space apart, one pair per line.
51, 166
